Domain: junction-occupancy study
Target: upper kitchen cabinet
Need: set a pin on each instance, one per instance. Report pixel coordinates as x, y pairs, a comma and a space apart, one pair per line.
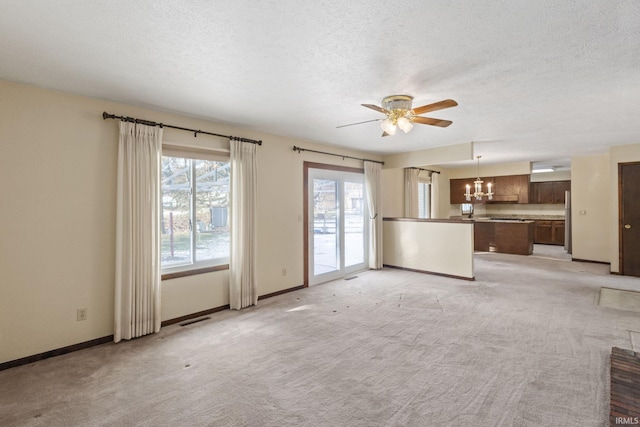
457, 189
511, 189
550, 192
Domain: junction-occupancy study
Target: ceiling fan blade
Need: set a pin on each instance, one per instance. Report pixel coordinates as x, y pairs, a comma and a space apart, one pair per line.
384, 134
375, 107
359, 123
430, 121
447, 103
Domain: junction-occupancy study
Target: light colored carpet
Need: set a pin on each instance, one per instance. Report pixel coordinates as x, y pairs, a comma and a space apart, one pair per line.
551, 251
524, 345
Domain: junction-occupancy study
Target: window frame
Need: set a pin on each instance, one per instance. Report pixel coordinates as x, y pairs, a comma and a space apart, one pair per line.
193, 266
426, 197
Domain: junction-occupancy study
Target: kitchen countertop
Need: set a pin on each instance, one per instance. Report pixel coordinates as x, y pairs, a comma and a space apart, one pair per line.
513, 218
510, 221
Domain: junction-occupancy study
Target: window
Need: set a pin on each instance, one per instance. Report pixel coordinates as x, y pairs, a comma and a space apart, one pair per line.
424, 200
194, 213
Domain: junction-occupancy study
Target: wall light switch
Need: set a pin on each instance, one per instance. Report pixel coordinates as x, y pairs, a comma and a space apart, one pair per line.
583, 212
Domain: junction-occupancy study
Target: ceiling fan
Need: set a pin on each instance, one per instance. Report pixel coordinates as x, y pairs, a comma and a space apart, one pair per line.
399, 114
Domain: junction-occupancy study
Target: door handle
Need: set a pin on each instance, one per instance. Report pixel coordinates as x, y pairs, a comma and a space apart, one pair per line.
627, 226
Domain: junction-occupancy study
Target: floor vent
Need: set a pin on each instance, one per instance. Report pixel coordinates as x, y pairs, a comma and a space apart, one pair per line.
350, 277
191, 322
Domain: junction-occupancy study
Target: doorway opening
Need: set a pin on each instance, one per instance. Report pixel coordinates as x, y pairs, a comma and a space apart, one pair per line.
629, 214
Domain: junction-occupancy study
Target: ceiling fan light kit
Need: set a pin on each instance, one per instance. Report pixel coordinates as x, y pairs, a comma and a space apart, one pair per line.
405, 124
400, 114
388, 126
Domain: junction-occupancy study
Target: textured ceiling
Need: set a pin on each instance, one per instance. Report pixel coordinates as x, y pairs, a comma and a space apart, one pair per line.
535, 80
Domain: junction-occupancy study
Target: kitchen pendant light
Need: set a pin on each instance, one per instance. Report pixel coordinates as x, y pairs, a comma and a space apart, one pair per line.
478, 194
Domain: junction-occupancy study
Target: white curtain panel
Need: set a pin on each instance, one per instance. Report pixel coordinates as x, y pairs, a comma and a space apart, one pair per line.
435, 194
243, 290
372, 174
137, 293
411, 192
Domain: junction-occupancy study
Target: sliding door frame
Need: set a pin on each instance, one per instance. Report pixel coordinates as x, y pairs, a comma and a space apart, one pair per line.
305, 202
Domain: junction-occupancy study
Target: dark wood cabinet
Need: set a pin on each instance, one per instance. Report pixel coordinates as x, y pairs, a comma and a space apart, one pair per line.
514, 237
458, 188
543, 192
505, 237
483, 236
558, 232
544, 232
511, 188
549, 232
550, 192
559, 188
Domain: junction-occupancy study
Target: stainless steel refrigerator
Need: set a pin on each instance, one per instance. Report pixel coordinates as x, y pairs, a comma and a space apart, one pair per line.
567, 222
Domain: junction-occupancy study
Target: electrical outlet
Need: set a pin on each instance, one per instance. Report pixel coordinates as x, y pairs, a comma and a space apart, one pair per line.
82, 314
284, 271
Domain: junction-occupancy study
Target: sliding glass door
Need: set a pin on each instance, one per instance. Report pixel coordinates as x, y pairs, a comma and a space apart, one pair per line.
337, 224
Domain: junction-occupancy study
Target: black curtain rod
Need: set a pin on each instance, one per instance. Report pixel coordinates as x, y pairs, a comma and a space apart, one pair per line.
106, 116
426, 170
298, 149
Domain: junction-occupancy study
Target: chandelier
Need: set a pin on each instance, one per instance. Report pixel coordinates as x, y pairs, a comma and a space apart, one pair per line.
478, 194
399, 114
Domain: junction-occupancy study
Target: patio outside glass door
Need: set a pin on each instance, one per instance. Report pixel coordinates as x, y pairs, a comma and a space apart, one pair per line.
337, 229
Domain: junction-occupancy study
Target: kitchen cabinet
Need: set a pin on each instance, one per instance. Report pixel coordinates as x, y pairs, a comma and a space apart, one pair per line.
509, 237
543, 232
550, 232
558, 232
550, 192
457, 188
512, 189
559, 188
483, 236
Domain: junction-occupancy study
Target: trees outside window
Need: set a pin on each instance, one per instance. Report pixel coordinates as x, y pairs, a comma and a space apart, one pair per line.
194, 213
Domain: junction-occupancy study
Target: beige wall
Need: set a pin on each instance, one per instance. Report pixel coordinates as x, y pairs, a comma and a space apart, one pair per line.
551, 176
436, 247
498, 169
618, 154
57, 251
590, 217
430, 156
